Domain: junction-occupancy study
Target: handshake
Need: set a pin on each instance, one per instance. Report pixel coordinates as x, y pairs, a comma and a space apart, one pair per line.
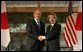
41, 38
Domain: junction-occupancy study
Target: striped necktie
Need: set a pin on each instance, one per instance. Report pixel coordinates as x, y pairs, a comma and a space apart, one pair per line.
38, 23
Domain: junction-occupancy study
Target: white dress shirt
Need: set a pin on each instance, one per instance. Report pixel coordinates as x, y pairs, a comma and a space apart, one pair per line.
37, 22
52, 25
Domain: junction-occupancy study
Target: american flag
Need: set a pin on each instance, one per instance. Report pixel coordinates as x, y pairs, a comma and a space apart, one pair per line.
69, 31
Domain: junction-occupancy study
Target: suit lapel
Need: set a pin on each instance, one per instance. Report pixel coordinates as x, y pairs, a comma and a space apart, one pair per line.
53, 27
35, 24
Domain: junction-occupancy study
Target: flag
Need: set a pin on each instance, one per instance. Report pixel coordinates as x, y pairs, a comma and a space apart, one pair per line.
79, 18
69, 31
5, 35
78, 27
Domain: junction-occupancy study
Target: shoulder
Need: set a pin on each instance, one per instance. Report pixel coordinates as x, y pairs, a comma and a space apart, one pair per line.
48, 26
57, 25
30, 22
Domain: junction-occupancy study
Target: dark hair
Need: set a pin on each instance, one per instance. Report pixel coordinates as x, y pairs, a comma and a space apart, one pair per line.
53, 15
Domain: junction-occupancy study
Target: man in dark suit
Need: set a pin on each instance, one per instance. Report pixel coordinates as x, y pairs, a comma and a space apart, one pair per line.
53, 33
35, 30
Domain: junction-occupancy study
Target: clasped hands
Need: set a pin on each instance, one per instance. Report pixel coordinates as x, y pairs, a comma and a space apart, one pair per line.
41, 37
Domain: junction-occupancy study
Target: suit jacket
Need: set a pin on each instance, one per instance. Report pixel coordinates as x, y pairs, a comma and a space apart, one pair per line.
33, 31
52, 37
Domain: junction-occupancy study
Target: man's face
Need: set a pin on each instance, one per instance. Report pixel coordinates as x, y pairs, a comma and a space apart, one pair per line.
37, 14
52, 19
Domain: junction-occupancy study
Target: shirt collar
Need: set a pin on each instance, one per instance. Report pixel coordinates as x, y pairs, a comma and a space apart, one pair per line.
35, 20
52, 24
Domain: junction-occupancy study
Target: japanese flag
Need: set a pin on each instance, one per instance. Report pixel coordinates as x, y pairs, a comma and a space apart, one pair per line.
5, 35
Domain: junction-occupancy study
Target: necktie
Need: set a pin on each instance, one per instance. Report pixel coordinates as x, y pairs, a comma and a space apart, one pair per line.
50, 28
38, 23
